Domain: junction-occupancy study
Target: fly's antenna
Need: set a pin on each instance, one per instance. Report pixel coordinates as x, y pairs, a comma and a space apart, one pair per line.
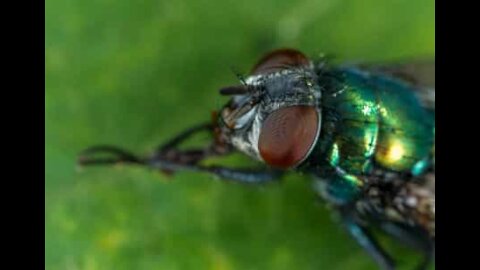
242, 89
235, 90
115, 155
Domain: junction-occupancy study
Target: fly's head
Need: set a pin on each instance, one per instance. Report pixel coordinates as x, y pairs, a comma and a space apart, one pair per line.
274, 115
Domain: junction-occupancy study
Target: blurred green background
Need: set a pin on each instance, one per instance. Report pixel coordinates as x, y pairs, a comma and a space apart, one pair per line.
135, 73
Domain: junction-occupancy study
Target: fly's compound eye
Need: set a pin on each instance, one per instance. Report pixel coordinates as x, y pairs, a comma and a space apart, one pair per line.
279, 60
288, 135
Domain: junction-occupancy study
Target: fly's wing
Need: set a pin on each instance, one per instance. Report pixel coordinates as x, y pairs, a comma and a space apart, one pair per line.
420, 74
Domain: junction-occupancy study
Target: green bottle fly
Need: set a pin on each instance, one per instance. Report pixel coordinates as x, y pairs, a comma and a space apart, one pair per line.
365, 134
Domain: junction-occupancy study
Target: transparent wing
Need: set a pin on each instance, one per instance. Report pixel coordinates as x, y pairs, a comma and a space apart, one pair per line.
420, 74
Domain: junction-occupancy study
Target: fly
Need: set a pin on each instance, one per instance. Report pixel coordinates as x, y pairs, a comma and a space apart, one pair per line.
365, 133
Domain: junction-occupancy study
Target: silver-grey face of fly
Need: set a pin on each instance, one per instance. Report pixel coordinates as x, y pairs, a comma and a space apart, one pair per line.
266, 93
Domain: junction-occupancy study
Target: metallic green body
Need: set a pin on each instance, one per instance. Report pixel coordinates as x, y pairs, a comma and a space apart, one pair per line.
370, 122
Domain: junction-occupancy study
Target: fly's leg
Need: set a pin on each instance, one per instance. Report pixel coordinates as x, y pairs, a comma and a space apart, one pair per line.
414, 238
248, 176
166, 152
169, 151
188, 160
175, 141
183, 161
168, 159
368, 242
242, 175
117, 156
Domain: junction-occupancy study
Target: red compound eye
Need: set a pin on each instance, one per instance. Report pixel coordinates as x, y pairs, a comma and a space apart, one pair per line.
278, 60
287, 135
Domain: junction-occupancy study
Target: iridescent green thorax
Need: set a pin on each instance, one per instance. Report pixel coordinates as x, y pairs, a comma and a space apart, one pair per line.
371, 122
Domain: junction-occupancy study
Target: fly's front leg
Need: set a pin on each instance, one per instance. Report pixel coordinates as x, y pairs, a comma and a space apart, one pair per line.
242, 175
175, 141
169, 159
249, 176
363, 236
180, 161
167, 152
188, 160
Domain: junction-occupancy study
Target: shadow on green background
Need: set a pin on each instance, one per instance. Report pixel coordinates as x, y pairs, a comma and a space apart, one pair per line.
134, 73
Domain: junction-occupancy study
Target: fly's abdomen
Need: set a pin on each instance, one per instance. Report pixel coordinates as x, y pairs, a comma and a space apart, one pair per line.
371, 121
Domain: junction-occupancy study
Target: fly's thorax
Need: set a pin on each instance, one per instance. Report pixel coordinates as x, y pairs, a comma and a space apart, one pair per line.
371, 121
282, 119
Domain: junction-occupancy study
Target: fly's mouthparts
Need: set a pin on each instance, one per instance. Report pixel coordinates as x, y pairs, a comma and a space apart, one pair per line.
230, 119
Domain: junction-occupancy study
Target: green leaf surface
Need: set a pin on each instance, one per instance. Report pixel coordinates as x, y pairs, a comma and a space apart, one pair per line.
135, 73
